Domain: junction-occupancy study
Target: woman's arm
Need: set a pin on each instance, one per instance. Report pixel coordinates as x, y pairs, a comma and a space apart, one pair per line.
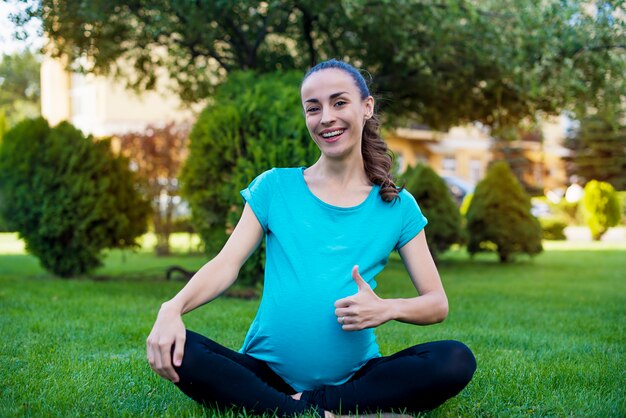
431, 306
221, 272
208, 283
366, 310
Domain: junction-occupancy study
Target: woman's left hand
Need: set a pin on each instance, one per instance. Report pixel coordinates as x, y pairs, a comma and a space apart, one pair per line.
362, 310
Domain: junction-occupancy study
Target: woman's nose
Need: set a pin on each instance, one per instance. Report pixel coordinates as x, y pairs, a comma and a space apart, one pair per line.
327, 116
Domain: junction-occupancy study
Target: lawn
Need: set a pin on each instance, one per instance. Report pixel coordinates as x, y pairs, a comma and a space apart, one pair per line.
548, 333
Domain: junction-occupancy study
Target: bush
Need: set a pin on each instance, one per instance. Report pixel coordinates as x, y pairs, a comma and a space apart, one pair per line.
68, 197
621, 197
499, 218
4, 226
553, 228
435, 200
569, 211
254, 123
601, 208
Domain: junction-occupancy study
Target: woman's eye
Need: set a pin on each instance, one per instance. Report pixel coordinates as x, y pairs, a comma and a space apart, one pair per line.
312, 109
340, 103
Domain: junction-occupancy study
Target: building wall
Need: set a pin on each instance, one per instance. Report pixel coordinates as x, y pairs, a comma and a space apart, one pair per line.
103, 106
462, 152
55, 92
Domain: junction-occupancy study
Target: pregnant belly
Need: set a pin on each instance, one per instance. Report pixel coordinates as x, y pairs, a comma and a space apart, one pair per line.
309, 355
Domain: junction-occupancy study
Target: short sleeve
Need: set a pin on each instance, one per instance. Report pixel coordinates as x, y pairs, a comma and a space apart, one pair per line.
259, 196
413, 221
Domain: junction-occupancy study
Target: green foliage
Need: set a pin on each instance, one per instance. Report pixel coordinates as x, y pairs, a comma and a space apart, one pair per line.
443, 63
67, 196
568, 211
435, 200
621, 197
253, 124
19, 88
601, 208
598, 147
552, 228
499, 218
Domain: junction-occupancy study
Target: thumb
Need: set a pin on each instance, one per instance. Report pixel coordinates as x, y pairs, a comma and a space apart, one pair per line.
360, 282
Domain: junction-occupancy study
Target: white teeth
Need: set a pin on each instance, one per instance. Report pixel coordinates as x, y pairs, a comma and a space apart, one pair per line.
333, 133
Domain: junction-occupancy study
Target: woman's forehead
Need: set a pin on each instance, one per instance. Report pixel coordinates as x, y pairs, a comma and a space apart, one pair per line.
326, 82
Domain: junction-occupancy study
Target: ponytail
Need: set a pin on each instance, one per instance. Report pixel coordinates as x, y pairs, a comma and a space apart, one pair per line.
377, 159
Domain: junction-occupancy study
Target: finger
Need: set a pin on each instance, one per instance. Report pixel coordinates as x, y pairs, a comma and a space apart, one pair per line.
178, 356
156, 354
149, 353
360, 282
344, 312
344, 303
165, 350
351, 326
347, 320
179, 350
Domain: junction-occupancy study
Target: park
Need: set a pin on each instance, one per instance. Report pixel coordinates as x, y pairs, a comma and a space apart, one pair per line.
506, 122
548, 332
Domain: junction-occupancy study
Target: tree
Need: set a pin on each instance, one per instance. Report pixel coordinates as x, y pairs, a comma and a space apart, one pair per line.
67, 196
599, 150
515, 153
435, 200
157, 156
440, 63
19, 87
499, 218
255, 123
601, 208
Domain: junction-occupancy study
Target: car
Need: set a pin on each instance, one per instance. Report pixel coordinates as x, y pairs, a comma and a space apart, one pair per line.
459, 188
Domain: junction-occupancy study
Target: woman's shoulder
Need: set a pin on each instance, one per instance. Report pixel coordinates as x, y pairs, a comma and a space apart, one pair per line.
403, 196
279, 174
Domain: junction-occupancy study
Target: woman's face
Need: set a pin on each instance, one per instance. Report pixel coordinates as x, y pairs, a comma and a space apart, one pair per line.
334, 111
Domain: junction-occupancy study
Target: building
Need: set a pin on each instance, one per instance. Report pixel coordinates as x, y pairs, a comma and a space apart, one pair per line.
102, 106
464, 153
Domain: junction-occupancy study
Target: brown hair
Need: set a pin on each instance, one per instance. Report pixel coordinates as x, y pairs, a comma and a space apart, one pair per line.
377, 157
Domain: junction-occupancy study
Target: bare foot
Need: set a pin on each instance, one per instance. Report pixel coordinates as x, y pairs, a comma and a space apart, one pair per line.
297, 396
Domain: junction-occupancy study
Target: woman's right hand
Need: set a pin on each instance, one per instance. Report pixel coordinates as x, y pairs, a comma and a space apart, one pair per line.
168, 330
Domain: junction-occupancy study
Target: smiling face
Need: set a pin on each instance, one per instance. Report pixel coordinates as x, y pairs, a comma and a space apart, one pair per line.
334, 111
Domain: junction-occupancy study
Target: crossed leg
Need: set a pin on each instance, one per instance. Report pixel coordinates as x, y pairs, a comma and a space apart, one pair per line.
415, 379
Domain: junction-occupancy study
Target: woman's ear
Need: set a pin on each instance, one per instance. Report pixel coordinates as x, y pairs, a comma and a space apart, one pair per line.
369, 107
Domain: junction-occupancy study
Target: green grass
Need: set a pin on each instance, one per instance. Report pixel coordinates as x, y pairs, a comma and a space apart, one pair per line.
548, 333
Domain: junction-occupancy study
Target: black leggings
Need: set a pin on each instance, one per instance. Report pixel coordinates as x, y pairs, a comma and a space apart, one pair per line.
416, 379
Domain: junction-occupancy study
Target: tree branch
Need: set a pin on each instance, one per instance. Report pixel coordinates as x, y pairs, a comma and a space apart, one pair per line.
307, 27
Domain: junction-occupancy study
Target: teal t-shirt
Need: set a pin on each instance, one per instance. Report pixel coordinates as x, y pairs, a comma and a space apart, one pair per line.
311, 247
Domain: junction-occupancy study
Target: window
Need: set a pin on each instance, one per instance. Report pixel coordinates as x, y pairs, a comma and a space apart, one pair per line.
449, 166
475, 170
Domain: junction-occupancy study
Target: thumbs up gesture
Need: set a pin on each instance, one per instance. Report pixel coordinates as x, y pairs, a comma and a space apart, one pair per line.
362, 310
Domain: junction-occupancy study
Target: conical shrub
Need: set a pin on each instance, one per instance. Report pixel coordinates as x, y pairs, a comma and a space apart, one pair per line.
435, 200
499, 218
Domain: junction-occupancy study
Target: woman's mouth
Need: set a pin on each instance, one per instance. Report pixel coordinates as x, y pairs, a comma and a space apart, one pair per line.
332, 136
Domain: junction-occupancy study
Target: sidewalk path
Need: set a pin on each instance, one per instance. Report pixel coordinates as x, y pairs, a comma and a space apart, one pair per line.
582, 234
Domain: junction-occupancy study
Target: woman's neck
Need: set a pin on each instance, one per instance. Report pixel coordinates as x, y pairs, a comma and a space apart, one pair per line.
340, 173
